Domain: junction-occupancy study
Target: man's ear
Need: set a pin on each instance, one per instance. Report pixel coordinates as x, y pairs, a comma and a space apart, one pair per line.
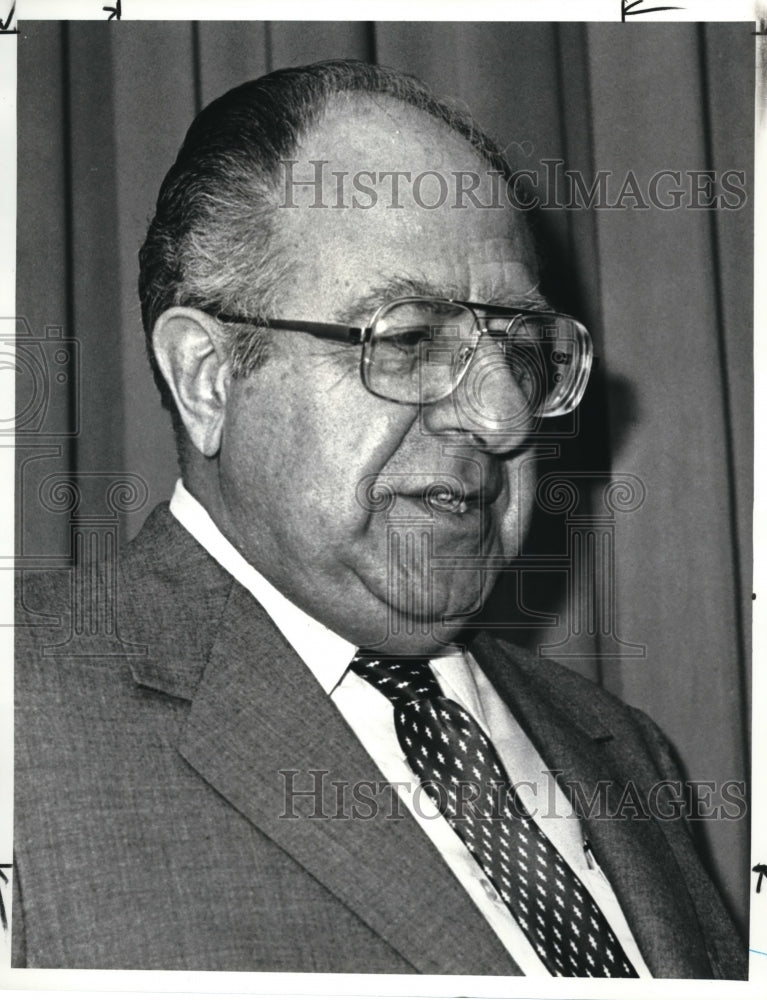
192, 355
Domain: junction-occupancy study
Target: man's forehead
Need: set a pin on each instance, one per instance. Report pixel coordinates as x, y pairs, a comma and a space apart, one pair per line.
502, 266
358, 239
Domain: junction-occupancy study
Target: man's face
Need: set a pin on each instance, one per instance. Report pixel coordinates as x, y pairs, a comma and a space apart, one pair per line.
307, 451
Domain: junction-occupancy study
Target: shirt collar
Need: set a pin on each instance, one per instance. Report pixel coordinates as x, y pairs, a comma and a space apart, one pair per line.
325, 653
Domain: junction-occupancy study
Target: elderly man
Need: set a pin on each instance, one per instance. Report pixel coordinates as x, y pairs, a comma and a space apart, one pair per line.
311, 768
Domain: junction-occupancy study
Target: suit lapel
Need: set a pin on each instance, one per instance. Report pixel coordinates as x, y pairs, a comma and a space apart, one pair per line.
635, 855
260, 724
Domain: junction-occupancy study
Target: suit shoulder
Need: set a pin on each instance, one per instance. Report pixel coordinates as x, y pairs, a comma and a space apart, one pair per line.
575, 698
563, 683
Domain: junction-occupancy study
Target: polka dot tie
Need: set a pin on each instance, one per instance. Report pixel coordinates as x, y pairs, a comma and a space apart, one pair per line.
461, 771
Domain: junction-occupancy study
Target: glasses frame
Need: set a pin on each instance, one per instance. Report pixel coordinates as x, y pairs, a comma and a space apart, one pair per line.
341, 333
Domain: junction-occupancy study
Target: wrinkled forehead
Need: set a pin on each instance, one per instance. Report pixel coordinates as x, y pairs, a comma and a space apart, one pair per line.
379, 192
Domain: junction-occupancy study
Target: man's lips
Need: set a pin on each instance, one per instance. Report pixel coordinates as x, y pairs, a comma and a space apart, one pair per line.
436, 492
450, 495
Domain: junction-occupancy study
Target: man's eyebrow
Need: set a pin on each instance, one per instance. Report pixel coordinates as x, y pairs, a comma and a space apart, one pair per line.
360, 309
398, 286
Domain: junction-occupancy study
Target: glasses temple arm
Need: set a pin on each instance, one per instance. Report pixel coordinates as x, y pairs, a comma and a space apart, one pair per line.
328, 331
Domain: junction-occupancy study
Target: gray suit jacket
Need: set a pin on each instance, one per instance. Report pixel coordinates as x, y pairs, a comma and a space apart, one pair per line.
151, 827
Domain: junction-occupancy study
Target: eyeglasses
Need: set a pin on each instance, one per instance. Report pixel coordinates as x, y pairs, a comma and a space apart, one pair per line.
418, 350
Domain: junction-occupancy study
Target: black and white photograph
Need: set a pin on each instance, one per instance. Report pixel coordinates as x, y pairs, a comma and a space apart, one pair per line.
383, 504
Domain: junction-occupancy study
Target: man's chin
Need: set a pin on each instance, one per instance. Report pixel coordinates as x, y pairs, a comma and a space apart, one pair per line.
436, 641
401, 632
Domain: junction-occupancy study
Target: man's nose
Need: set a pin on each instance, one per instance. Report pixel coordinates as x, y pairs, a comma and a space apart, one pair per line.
487, 405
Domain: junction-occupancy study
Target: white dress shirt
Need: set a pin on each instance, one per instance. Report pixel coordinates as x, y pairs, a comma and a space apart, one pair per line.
370, 715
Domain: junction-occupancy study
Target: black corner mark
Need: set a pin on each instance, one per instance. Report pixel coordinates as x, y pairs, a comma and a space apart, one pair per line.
630, 8
5, 26
3, 915
115, 13
761, 871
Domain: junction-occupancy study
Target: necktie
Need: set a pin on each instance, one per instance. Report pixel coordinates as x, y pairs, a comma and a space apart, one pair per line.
461, 771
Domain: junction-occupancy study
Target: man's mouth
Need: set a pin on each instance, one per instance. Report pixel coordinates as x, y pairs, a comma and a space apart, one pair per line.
438, 493
452, 496
443, 499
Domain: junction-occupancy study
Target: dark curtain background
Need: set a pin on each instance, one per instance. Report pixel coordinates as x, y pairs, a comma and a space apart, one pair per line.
645, 587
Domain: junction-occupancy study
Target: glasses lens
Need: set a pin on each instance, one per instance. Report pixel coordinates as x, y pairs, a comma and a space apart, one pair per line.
550, 358
419, 349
